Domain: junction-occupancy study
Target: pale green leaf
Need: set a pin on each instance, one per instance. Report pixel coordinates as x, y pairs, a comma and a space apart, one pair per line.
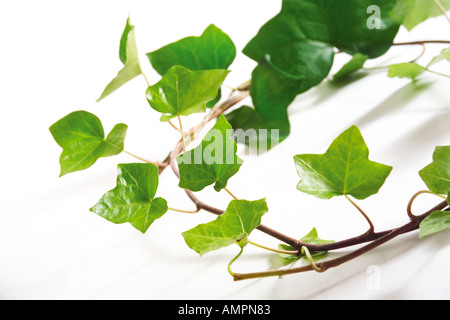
409, 70
411, 13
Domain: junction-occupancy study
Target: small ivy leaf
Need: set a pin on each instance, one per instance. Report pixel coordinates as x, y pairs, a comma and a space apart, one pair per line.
214, 161
234, 225
82, 138
128, 54
133, 199
312, 238
436, 222
355, 64
343, 169
443, 55
409, 70
437, 174
411, 13
182, 92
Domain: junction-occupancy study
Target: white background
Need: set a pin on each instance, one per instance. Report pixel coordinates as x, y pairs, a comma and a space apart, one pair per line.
57, 56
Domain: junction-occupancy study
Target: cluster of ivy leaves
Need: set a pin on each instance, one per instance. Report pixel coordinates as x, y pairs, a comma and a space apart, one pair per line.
295, 52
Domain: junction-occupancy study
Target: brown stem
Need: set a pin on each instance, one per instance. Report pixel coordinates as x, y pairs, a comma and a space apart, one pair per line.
420, 42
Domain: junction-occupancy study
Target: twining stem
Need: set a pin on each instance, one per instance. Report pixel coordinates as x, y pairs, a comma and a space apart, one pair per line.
159, 164
272, 249
441, 7
233, 260
182, 134
184, 211
413, 198
409, 43
306, 252
174, 126
230, 193
371, 227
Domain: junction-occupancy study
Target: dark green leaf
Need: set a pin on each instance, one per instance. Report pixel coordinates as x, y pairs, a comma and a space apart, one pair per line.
410, 13
182, 92
437, 174
133, 199
235, 224
405, 70
128, 54
355, 64
214, 161
344, 169
82, 138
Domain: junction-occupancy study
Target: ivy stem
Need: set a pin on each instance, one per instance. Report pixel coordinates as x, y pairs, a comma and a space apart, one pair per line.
273, 250
412, 43
159, 164
438, 73
441, 7
371, 227
185, 211
413, 198
182, 134
233, 260
231, 194
174, 126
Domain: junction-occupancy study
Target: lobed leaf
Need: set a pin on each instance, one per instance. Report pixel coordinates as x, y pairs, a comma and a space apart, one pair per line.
234, 225
344, 169
182, 92
214, 161
82, 138
437, 174
355, 64
133, 199
436, 222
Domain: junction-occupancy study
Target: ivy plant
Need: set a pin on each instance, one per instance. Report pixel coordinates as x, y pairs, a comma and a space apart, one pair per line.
294, 52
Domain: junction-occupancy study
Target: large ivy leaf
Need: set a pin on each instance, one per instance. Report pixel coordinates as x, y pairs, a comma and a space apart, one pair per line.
128, 54
410, 13
82, 138
212, 50
235, 224
311, 238
214, 161
133, 199
344, 169
296, 47
182, 92
437, 174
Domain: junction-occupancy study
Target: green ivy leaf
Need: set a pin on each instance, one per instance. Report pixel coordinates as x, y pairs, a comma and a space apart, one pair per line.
272, 92
312, 238
133, 199
235, 224
214, 161
443, 55
437, 174
128, 54
295, 49
182, 92
355, 64
410, 13
82, 138
212, 50
344, 169
409, 70
436, 222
